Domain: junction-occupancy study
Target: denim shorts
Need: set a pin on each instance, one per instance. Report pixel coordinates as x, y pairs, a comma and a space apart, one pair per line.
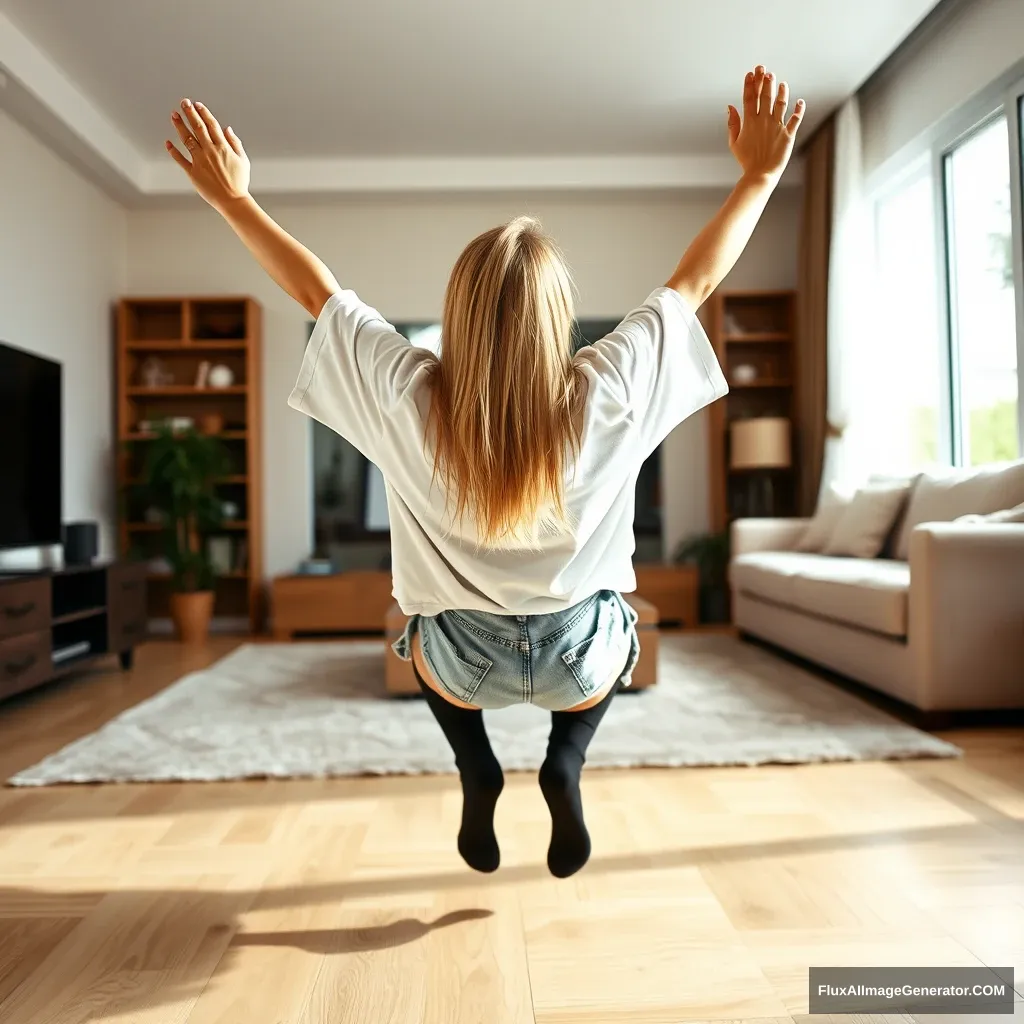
555, 661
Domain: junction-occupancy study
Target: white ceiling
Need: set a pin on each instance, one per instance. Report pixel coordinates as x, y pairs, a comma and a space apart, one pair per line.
546, 87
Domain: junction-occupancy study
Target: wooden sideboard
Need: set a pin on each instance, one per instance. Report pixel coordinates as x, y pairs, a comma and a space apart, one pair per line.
673, 590
359, 601
55, 622
344, 602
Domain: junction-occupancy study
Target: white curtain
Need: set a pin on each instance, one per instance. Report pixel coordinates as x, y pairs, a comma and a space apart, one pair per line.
850, 348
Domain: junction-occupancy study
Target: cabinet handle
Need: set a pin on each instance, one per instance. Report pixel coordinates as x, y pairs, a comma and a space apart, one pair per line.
15, 668
19, 611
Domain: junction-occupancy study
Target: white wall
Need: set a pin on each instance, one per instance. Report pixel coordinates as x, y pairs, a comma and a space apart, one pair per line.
62, 249
964, 54
397, 253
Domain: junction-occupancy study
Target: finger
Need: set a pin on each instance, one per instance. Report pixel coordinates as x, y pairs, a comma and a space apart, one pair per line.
734, 124
764, 104
798, 115
233, 140
195, 122
181, 161
781, 102
212, 124
758, 82
749, 96
183, 133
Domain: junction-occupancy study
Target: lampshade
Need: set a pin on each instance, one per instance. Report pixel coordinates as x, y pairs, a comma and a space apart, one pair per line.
762, 443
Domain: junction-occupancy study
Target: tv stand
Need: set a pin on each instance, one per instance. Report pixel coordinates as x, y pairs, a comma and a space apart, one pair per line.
56, 622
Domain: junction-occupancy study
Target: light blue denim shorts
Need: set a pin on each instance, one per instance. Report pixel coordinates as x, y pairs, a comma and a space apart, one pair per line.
555, 661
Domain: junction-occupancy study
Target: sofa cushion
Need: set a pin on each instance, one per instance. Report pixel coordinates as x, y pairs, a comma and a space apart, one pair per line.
868, 519
830, 508
864, 592
943, 497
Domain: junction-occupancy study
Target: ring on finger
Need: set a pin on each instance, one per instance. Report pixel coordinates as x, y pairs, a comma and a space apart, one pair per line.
191, 142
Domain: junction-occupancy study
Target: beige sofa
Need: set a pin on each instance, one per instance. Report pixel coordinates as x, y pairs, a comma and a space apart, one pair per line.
939, 624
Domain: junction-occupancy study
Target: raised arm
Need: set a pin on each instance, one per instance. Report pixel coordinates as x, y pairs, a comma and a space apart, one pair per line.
219, 169
762, 142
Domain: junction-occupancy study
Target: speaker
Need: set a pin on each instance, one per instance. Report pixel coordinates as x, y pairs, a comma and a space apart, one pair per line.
81, 543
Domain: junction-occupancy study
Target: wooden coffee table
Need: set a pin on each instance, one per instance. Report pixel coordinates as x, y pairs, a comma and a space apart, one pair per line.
399, 678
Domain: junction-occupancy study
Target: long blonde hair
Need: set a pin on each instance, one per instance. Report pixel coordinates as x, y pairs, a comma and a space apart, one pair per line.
505, 413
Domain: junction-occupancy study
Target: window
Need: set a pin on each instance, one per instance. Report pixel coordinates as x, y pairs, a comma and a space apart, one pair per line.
907, 411
950, 328
983, 328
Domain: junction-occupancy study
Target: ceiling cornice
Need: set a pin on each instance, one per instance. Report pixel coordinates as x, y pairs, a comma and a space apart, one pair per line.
37, 93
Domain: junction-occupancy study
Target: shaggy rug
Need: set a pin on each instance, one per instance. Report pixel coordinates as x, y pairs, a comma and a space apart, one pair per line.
319, 709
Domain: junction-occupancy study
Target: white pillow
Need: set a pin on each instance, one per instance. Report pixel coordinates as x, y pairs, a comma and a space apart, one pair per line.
1007, 515
866, 521
819, 530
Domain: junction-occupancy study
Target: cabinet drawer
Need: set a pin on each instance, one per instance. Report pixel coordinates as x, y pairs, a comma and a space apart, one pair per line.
127, 634
24, 662
126, 605
24, 606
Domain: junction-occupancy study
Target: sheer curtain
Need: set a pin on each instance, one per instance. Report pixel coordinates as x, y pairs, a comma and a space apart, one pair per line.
852, 359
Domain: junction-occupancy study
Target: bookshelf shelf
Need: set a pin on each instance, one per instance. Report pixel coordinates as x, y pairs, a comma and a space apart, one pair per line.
757, 337
183, 345
184, 390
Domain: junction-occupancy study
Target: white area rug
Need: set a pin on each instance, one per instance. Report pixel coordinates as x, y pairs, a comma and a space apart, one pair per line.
318, 709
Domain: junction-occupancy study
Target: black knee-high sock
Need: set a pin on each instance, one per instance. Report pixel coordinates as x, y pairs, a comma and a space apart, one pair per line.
571, 733
481, 776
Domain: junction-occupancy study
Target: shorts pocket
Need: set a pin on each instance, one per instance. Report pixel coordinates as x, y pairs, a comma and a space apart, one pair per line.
591, 660
459, 670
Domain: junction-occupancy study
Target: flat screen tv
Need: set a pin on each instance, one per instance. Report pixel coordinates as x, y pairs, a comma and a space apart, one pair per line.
30, 449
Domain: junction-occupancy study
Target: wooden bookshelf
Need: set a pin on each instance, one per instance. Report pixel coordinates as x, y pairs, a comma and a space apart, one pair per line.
756, 329
181, 333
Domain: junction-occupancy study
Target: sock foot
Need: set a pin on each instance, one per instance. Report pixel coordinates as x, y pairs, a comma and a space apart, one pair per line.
570, 842
477, 842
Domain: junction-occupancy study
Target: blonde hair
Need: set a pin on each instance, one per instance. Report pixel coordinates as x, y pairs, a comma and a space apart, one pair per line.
507, 397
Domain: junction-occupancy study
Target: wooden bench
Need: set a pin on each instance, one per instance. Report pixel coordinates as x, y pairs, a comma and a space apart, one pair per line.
399, 678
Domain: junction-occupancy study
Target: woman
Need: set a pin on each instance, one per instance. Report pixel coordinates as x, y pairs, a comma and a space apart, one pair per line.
510, 462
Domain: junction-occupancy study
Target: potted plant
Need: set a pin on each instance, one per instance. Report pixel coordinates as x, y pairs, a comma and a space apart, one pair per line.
710, 553
179, 476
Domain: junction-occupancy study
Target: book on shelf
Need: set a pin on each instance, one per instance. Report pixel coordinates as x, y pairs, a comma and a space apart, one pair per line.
242, 555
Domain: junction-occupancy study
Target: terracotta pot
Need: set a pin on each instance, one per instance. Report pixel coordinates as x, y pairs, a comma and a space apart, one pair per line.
211, 423
191, 614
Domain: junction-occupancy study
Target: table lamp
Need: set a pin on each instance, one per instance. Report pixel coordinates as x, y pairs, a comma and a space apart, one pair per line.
760, 444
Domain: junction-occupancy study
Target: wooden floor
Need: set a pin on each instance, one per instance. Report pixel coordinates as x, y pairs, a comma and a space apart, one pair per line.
709, 893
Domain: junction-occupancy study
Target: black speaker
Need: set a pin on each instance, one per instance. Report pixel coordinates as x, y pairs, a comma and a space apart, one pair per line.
81, 543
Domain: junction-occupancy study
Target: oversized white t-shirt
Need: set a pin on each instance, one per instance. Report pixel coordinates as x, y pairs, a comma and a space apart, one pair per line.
364, 380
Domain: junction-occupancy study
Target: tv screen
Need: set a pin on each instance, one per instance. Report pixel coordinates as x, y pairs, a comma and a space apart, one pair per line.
30, 449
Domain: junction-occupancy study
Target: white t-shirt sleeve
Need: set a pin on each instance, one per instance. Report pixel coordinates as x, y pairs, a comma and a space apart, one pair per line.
356, 368
661, 364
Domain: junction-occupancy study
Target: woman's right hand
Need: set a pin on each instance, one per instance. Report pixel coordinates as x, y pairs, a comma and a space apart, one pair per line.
218, 168
762, 140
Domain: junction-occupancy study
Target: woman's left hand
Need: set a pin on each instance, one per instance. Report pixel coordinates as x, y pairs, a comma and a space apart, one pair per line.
218, 168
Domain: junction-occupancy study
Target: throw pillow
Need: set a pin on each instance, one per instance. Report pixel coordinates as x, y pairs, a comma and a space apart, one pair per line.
942, 496
831, 506
865, 523
889, 547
